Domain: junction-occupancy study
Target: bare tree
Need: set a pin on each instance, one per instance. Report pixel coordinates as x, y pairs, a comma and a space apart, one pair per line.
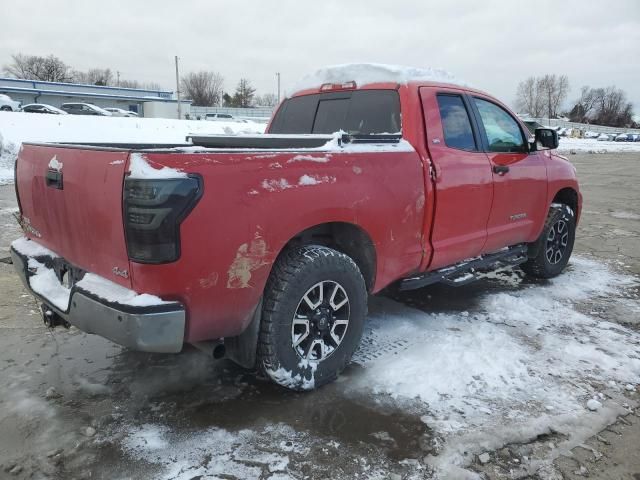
94, 76
612, 107
141, 85
529, 97
542, 95
585, 105
266, 100
604, 106
203, 88
33, 67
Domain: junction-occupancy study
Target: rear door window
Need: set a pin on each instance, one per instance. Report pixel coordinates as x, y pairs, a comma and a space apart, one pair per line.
356, 112
456, 123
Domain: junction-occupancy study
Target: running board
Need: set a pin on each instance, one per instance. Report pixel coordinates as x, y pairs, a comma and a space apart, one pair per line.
464, 272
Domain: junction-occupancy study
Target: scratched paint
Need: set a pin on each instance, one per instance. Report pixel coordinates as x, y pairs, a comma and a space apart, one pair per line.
249, 257
209, 281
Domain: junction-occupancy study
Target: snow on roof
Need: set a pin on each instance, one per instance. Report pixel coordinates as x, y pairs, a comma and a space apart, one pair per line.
365, 73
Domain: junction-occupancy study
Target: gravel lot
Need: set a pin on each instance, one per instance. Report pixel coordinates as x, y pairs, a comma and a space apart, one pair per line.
76, 406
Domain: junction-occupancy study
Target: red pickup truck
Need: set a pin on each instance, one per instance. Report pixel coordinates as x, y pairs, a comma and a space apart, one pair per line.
263, 249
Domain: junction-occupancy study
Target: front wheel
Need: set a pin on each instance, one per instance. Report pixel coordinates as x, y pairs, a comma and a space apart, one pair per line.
555, 244
313, 315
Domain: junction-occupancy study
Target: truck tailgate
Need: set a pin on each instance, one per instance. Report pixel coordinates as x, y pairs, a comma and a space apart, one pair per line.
71, 202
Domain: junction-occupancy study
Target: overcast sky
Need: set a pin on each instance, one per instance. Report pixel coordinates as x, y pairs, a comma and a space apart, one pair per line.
490, 44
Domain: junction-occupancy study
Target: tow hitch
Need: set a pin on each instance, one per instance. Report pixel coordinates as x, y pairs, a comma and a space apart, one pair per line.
52, 319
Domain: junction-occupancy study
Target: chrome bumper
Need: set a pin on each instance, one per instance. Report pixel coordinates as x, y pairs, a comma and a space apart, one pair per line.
158, 328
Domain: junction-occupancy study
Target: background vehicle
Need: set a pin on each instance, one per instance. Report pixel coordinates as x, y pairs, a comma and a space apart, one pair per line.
273, 242
621, 137
8, 105
42, 108
218, 116
604, 137
84, 109
119, 112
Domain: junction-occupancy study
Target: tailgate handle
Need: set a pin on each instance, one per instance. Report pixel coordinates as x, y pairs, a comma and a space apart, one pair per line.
54, 179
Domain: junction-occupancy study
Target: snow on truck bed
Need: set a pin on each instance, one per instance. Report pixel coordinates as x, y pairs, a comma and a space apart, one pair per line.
16, 128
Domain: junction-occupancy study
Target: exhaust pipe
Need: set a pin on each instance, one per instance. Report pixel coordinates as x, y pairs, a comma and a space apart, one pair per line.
213, 348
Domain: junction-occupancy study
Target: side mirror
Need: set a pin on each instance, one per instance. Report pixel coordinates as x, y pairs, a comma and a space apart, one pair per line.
546, 139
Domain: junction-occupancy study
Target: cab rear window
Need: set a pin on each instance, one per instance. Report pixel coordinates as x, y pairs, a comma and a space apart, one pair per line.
361, 112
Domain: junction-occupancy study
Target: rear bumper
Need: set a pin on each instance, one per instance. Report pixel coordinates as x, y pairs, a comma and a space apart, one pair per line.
152, 328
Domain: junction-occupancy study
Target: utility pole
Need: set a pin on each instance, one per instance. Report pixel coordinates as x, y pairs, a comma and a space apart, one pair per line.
118, 74
278, 75
178, 90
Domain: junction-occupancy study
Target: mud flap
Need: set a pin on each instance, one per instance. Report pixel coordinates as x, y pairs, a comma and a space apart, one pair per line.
243, 348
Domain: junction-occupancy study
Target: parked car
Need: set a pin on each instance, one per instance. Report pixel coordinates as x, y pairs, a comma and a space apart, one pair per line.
8, 105
42, 108
264, 248
84, 109
589, 134
604, 137
218, 116
621, 137
119, 112
631, 137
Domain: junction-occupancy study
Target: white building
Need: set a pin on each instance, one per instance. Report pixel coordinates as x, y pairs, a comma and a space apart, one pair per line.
147, 103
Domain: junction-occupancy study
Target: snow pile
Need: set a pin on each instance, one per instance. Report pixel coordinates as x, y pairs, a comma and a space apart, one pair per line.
590, 145
54, 164
310, 158
18, 127
214, 452
44, 281
114, 293
140, 168
30, 248
365, 73
525, 362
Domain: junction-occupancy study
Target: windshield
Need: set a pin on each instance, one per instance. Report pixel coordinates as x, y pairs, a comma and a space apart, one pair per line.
361, 112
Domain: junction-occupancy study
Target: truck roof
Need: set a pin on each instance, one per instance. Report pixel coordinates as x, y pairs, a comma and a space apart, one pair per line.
375, 73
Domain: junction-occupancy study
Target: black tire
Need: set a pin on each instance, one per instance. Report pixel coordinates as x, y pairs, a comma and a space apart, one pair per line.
553, 248
298, 276
6, 109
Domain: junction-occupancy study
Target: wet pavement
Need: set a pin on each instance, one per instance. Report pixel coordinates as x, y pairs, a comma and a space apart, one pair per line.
76, 406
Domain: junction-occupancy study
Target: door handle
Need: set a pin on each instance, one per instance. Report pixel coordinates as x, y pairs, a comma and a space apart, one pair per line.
54, 179
500, 169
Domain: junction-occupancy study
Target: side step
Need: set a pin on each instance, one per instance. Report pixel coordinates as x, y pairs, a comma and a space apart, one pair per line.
463, 273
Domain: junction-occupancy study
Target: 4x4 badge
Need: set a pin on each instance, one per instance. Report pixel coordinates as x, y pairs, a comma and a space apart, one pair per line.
120, 273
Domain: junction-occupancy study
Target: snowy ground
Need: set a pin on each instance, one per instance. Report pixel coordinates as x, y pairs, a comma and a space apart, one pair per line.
444, 379
591, 145
29, 127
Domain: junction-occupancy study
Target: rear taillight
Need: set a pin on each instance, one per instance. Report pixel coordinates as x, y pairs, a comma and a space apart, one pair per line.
153, 212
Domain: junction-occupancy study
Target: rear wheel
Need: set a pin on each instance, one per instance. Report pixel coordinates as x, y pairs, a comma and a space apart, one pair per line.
313, 316
6, 108
555, 244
